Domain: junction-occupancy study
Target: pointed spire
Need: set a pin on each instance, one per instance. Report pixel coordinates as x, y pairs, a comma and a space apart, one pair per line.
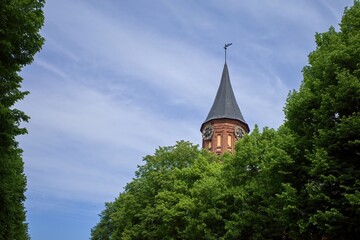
225, 105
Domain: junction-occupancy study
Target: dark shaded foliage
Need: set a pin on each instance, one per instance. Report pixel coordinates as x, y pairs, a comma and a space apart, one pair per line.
20, 22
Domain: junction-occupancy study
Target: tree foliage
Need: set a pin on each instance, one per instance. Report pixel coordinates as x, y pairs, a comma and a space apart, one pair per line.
324, 116
20, 22
172, 197
301, 181
258, 180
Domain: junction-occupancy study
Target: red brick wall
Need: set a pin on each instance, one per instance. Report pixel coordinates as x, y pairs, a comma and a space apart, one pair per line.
224, 128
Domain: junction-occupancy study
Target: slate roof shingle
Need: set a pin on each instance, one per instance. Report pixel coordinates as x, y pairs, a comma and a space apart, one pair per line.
225, 105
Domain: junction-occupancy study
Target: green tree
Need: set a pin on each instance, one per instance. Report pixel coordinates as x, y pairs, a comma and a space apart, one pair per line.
20, 22
172, 197
258, 178
324, 116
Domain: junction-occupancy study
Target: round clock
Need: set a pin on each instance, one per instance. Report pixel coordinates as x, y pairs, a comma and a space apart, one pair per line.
239, 132
208, 132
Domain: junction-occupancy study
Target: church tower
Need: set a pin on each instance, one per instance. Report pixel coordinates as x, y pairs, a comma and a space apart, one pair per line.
224, 123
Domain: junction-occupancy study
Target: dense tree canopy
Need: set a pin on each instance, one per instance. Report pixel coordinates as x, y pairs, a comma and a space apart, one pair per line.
301, 181
172, 197
20, 22
324, 116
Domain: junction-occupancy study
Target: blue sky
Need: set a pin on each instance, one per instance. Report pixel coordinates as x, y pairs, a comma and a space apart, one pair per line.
117, 79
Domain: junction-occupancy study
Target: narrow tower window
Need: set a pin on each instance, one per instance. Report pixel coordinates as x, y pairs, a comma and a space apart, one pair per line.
218, 140
229, 140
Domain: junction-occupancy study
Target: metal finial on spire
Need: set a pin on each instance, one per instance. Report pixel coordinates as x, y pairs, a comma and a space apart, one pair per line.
225, 47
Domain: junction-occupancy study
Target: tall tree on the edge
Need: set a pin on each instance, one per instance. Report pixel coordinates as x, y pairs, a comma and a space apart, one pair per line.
20, 22
325, 116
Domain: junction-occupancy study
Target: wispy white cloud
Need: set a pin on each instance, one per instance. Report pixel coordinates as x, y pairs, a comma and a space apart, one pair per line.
84, 104
168, 64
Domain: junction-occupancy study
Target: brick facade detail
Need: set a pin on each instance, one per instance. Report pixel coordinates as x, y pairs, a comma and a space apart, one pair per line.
223, 138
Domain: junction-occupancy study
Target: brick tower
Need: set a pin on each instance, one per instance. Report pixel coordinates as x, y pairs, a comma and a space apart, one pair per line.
224, 123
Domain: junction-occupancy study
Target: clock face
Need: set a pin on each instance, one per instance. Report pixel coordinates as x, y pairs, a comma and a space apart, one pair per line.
239, 132
208, 132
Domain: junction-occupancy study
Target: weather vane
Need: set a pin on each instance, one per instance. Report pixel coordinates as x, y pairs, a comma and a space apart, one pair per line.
225, 47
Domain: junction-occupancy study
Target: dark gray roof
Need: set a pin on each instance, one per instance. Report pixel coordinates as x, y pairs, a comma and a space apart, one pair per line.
225, 105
